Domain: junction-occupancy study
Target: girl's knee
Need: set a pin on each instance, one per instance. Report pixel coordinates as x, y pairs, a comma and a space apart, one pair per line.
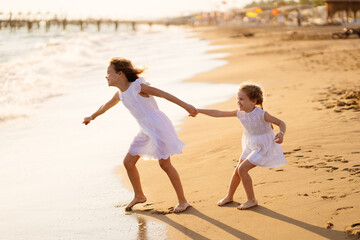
237, 170
129, 162
238, 166
165, 164
242, 170
244, 167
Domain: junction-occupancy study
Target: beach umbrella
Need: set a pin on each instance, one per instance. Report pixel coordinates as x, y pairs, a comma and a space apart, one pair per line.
251, 14
275, 12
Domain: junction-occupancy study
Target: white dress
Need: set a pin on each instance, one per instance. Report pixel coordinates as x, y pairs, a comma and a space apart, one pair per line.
258, 142
157, 138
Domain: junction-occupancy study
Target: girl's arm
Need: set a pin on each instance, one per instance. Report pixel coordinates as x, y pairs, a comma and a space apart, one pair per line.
112, 102
159, 93
218, 113
279, 138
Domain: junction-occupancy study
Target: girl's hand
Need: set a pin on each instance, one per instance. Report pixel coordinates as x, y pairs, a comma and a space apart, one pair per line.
87, 120
279, 138
192, 110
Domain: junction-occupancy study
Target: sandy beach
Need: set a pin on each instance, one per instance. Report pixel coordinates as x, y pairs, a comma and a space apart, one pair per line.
312, 83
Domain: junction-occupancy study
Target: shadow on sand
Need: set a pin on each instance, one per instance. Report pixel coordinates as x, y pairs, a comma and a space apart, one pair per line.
323, 232
192, 234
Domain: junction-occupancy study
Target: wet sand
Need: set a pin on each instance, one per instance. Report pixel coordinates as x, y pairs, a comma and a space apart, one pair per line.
312, 83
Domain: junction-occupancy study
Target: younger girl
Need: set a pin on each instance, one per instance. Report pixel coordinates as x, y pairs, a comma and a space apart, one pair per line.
260, 145
157, 138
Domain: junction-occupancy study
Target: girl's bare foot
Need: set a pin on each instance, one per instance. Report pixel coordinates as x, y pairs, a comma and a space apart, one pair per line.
224, 201
248, 204
181, 207
135, 201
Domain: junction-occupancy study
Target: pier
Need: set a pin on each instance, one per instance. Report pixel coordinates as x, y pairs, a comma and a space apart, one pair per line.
36, 21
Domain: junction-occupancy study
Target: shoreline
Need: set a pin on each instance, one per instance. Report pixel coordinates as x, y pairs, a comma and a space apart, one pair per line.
302, 77
56, 163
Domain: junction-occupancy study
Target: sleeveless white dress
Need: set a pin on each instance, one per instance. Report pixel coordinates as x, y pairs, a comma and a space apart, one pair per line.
258, 142
157, 138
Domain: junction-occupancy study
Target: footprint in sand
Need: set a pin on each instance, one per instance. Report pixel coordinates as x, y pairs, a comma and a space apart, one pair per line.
341, 99
305, 166
328, 197
353, 170
147, 209
291, 152
339, 158
313, 182
261, 183
353, 230
332, 169
323, 163
305, 194
119, 205
159, 212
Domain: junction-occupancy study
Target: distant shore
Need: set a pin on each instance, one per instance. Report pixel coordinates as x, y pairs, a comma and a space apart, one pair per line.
311, 82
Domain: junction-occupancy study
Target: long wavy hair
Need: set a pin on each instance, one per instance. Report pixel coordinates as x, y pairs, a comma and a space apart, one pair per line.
126, 66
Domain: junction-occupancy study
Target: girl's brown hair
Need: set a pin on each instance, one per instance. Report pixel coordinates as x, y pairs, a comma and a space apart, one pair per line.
126, 66
253, 92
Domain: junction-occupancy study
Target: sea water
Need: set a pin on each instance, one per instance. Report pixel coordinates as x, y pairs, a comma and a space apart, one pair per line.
58, 177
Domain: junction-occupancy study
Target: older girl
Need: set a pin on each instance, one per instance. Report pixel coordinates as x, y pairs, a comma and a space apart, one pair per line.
157, 139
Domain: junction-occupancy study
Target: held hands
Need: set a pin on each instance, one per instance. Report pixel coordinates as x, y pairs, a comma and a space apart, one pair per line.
87, 120
279, 138
191, 110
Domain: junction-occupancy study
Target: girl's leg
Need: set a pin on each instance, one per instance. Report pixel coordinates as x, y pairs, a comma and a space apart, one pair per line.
130, 165
174, 177
234, 183
247, 182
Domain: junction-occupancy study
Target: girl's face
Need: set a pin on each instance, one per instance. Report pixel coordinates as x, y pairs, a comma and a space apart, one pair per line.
244, 103
112, 76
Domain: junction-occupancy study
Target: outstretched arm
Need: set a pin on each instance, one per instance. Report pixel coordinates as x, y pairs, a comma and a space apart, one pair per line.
160, 93
218, 113
112, 102
279, 138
